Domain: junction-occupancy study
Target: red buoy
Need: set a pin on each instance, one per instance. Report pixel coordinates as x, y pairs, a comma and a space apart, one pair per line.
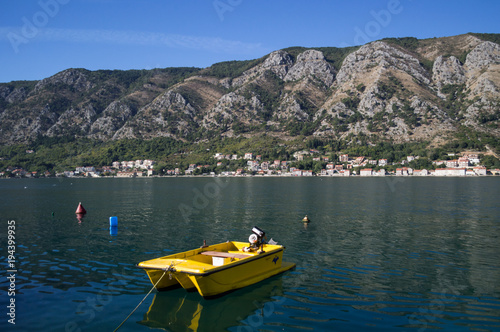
80, 209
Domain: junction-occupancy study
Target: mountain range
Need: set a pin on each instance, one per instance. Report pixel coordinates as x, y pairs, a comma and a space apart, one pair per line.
395, 89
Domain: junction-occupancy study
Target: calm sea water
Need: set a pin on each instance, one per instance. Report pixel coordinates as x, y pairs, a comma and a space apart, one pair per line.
396, 254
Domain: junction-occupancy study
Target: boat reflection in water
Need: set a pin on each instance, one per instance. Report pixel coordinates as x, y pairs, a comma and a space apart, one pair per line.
180, 311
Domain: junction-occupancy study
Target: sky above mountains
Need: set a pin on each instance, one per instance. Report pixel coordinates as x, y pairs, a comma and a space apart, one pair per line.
41, 38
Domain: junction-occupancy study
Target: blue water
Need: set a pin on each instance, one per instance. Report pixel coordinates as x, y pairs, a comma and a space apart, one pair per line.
412, 254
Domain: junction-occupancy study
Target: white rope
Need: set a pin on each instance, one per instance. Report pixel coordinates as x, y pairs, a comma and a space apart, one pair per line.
165, 272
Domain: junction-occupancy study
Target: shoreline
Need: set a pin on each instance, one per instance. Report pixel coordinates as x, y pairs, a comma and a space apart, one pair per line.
258, 176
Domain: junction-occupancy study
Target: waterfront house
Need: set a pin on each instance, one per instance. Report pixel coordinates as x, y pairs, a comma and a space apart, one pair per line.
358, 160
439, 162
420, 172
107, 169
147, 163
450, 172
85, 169
402, 171
252, 165
463, 162
480, 170
473, 158
495, 171
366, 172
124, 174
299, 155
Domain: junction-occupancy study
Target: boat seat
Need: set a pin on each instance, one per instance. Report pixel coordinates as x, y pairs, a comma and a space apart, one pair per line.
223, 254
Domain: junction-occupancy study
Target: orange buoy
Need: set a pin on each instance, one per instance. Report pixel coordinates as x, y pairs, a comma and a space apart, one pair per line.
80, 209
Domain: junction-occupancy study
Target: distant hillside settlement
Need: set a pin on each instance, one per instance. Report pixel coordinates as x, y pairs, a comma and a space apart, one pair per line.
465, 165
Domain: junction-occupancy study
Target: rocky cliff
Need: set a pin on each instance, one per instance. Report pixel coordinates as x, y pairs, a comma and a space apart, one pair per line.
393, 89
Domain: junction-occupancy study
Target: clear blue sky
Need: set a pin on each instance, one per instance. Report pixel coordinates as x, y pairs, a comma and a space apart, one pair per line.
42, 37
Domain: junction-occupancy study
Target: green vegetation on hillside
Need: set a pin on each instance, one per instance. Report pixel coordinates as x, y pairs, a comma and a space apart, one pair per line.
492, 37
134, 79
231, 69
409, 43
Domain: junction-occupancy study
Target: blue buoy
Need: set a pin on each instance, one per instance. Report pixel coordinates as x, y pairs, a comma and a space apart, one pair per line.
113, 225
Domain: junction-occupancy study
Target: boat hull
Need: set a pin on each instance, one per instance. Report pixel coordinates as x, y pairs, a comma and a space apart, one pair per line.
217, 269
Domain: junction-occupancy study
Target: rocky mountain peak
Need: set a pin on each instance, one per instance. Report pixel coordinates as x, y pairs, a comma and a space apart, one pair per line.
71, 77
381, 57
447, 70
277, 62
483, 55
311, 63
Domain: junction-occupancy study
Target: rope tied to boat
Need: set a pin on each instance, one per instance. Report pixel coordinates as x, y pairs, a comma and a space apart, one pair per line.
169, 270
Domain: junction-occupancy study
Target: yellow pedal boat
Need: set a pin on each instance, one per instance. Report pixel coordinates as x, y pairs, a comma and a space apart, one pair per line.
219, 268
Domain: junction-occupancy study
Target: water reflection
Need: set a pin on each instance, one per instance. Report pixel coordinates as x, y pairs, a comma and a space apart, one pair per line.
79, 217
420, 254
180, 311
